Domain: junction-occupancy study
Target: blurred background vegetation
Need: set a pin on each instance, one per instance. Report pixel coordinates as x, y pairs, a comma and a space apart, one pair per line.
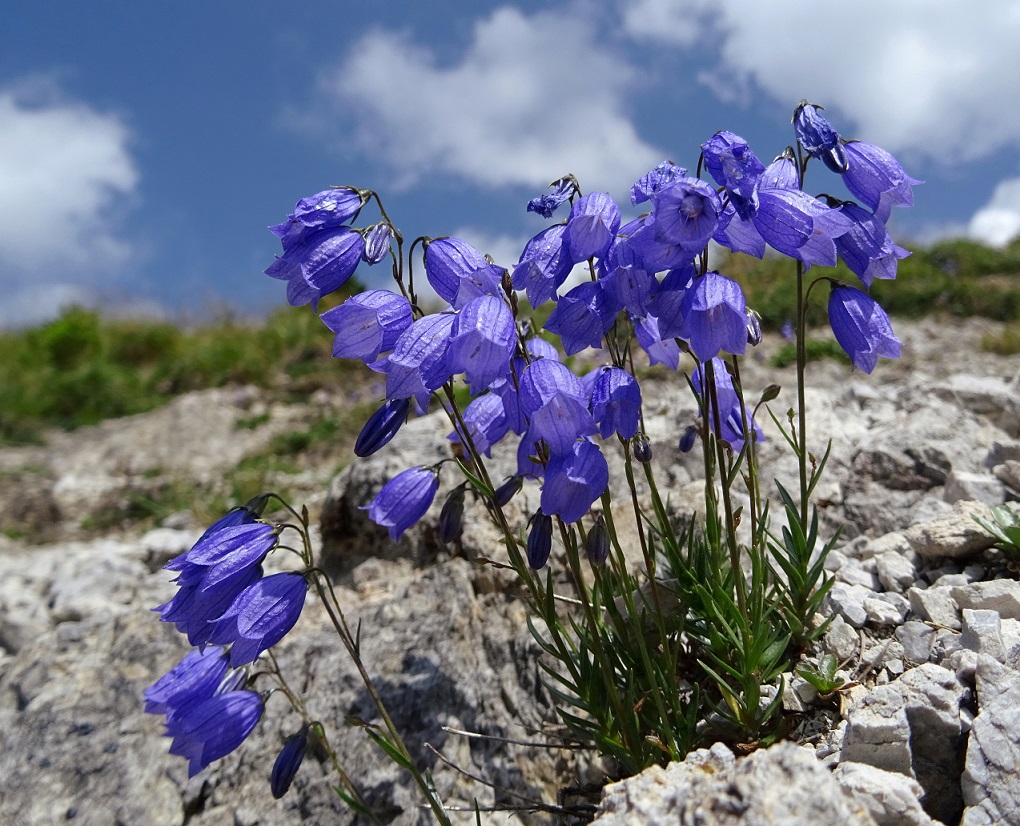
83, 368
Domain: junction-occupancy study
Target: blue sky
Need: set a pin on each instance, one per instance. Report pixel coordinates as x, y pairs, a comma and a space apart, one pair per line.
145, 147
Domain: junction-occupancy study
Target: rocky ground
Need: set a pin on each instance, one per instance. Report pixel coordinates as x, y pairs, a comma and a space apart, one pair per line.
927, 619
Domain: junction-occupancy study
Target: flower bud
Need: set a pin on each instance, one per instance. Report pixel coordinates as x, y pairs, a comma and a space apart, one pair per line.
505, 492
381, 427
596, 546
642, 450
287, 763
539, 540
687, 440
377, 244
753, 328
451, 518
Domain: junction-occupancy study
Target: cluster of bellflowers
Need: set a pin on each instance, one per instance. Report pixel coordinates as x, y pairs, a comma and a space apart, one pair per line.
649, 274
231, 612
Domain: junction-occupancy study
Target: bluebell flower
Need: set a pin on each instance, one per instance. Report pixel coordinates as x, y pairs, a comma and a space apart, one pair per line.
574, 480
664, 175
629, 288
818, 137
382, 426
733, 423
591, 227
877, 179
508, 490
596, 544
738, 235
660, 350
214, 728
368, 324
377, 244
244, 514
730, 161
539, 540
325, 210
714, 314
861, 327
867, 248
687, 438
419, 363
546, 205
483, 339
581, 318
616, 402
686, 214
458, 272
260, 616
287, 763
404, 500
554, 400
193, 679
486, 421
544, 265
655, 253
319, 265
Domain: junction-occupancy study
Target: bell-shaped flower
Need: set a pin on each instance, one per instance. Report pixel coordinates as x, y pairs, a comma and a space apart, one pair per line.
730, 161
214, 728
739, 235
818, 137
591, 227
562, 191
877, 179
319, 265
486, 422
655, 253
861, 327
193, 679
616, 402
539, 540
244, 514
663, 176
325, 210
659, 349
484, 337
419, 363
686, 214
714, 314
287, 763
404, 500
377, 244
867, 248
574, 480
544, 265
382, 426
629, 288
260, 616
458, 272
368, 324
581, 318
733, 423
554, 400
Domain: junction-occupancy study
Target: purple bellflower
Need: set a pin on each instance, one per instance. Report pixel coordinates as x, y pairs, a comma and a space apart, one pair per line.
193, 679
244, 514
730, 161
368, 324
877, 179
325, 210
486, 421
319, 265
287, 763
686, 214
403, 500
573, 481
616, 402
214, 728
596, 544
483, 340
554, 400
629, 288
544, 265
733, 426
818, 137
867, 249
591, 227
458, 272
419, 363
714, 313
581, 317
539, 540
563, 190
861, 327
659, 350
451, 517
739, 235
664, 175
260, 616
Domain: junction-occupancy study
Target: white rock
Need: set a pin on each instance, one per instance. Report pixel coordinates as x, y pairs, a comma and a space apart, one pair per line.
895, 571
881, 612
848, 601
973, 487
842, 640
953, 535
999, 595
916, 639
892, 799
935, 605
982, 633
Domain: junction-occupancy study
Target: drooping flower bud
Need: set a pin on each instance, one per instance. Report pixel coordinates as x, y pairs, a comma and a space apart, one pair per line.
505, 492
642, 450
377, 244
381, 426
753, 328
688, 437
451, 517
539, 540
287, 763
596, 546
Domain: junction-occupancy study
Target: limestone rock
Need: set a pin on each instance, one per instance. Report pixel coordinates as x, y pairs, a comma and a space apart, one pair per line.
892, 799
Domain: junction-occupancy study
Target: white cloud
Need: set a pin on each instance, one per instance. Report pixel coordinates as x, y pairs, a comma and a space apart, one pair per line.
931, 78
530, 99
66, 172
998, 222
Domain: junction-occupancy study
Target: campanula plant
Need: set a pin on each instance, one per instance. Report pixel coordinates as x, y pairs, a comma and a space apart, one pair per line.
662, 643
